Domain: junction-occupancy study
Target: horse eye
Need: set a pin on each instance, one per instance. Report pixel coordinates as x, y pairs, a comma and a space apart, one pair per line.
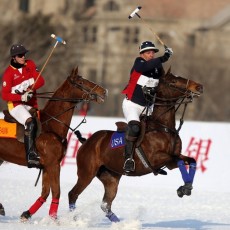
79, 81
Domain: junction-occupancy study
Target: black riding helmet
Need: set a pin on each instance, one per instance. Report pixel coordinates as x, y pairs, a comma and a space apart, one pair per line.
147, 45
17, 49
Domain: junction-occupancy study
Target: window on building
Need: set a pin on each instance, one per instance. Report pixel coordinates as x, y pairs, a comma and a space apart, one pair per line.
89, 3
131, 35
24, 5
89, 34
191, 40
111, 6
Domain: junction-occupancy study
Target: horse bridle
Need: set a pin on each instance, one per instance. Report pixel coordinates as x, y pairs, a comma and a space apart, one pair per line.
180, 89
87, 96
187, 94
184, 99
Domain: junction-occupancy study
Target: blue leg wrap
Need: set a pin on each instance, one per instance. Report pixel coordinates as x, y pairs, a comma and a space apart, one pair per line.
72, 207
192, 171
185, 175
112, 217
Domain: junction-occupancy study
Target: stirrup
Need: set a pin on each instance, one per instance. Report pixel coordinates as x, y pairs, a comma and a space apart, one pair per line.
34, 164
33, 160
129, 165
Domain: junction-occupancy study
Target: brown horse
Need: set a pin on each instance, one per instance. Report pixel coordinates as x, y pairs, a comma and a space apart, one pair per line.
51, 143
159, 146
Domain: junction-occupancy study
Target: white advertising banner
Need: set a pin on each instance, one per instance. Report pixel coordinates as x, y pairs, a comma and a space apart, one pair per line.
207, 142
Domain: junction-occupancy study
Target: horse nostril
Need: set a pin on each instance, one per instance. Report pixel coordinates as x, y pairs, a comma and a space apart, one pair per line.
200, 88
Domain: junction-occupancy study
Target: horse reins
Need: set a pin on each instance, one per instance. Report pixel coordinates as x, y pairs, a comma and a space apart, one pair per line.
87, 96
172, 103
90, 95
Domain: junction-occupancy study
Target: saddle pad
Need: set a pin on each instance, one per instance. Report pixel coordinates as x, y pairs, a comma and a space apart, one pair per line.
117, 140
7, 129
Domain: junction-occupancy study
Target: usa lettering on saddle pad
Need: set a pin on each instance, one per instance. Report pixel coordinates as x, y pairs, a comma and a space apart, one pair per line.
117, 140
7, 129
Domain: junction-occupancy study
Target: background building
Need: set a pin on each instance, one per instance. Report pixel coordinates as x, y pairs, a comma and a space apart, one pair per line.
103, 42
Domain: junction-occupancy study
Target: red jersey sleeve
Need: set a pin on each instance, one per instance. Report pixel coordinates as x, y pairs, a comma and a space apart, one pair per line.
7, 84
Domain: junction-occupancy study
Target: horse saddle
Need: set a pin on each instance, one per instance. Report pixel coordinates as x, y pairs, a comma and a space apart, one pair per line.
10, 128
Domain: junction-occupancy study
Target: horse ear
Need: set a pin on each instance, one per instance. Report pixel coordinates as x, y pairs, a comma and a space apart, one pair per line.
76, 71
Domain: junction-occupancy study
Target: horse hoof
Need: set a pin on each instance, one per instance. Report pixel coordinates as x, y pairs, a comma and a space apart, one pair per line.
112, 217
180, 192
185, 190
54, 217
25, 216
2, 211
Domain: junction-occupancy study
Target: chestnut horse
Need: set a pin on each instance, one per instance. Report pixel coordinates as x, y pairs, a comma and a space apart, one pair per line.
159, 146
51, 143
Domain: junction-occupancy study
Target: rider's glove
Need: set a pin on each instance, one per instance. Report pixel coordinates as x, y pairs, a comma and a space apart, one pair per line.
149, 90
149, 93
27, 96
168, 53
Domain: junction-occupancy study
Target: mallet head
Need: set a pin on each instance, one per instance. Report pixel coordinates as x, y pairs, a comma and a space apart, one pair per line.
135, 12
58, 39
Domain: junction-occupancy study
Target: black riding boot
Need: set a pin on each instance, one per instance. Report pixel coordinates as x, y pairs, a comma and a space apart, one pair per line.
129, 165
29, 140
131, 136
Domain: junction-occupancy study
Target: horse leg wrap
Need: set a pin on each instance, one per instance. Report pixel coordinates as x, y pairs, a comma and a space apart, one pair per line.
192, 171
72, 207
38, 203
112, 217
54, 208
185, 175
187, 178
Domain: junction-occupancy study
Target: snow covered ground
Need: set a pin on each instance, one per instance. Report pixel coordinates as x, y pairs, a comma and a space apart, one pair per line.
146, 202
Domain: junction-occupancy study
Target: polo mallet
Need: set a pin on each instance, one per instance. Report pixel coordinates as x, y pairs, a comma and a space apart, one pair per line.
135, 12
58, 40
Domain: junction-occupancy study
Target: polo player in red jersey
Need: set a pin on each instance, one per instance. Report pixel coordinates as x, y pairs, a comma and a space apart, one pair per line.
20, 81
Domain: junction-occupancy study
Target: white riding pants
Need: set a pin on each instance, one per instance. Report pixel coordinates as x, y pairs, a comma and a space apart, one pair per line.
132, 111
21, 113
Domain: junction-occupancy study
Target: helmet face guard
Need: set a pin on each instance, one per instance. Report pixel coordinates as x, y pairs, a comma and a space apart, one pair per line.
17, 49
147, 45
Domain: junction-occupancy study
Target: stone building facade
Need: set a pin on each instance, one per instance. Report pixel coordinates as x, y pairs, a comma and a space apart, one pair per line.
107, 41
